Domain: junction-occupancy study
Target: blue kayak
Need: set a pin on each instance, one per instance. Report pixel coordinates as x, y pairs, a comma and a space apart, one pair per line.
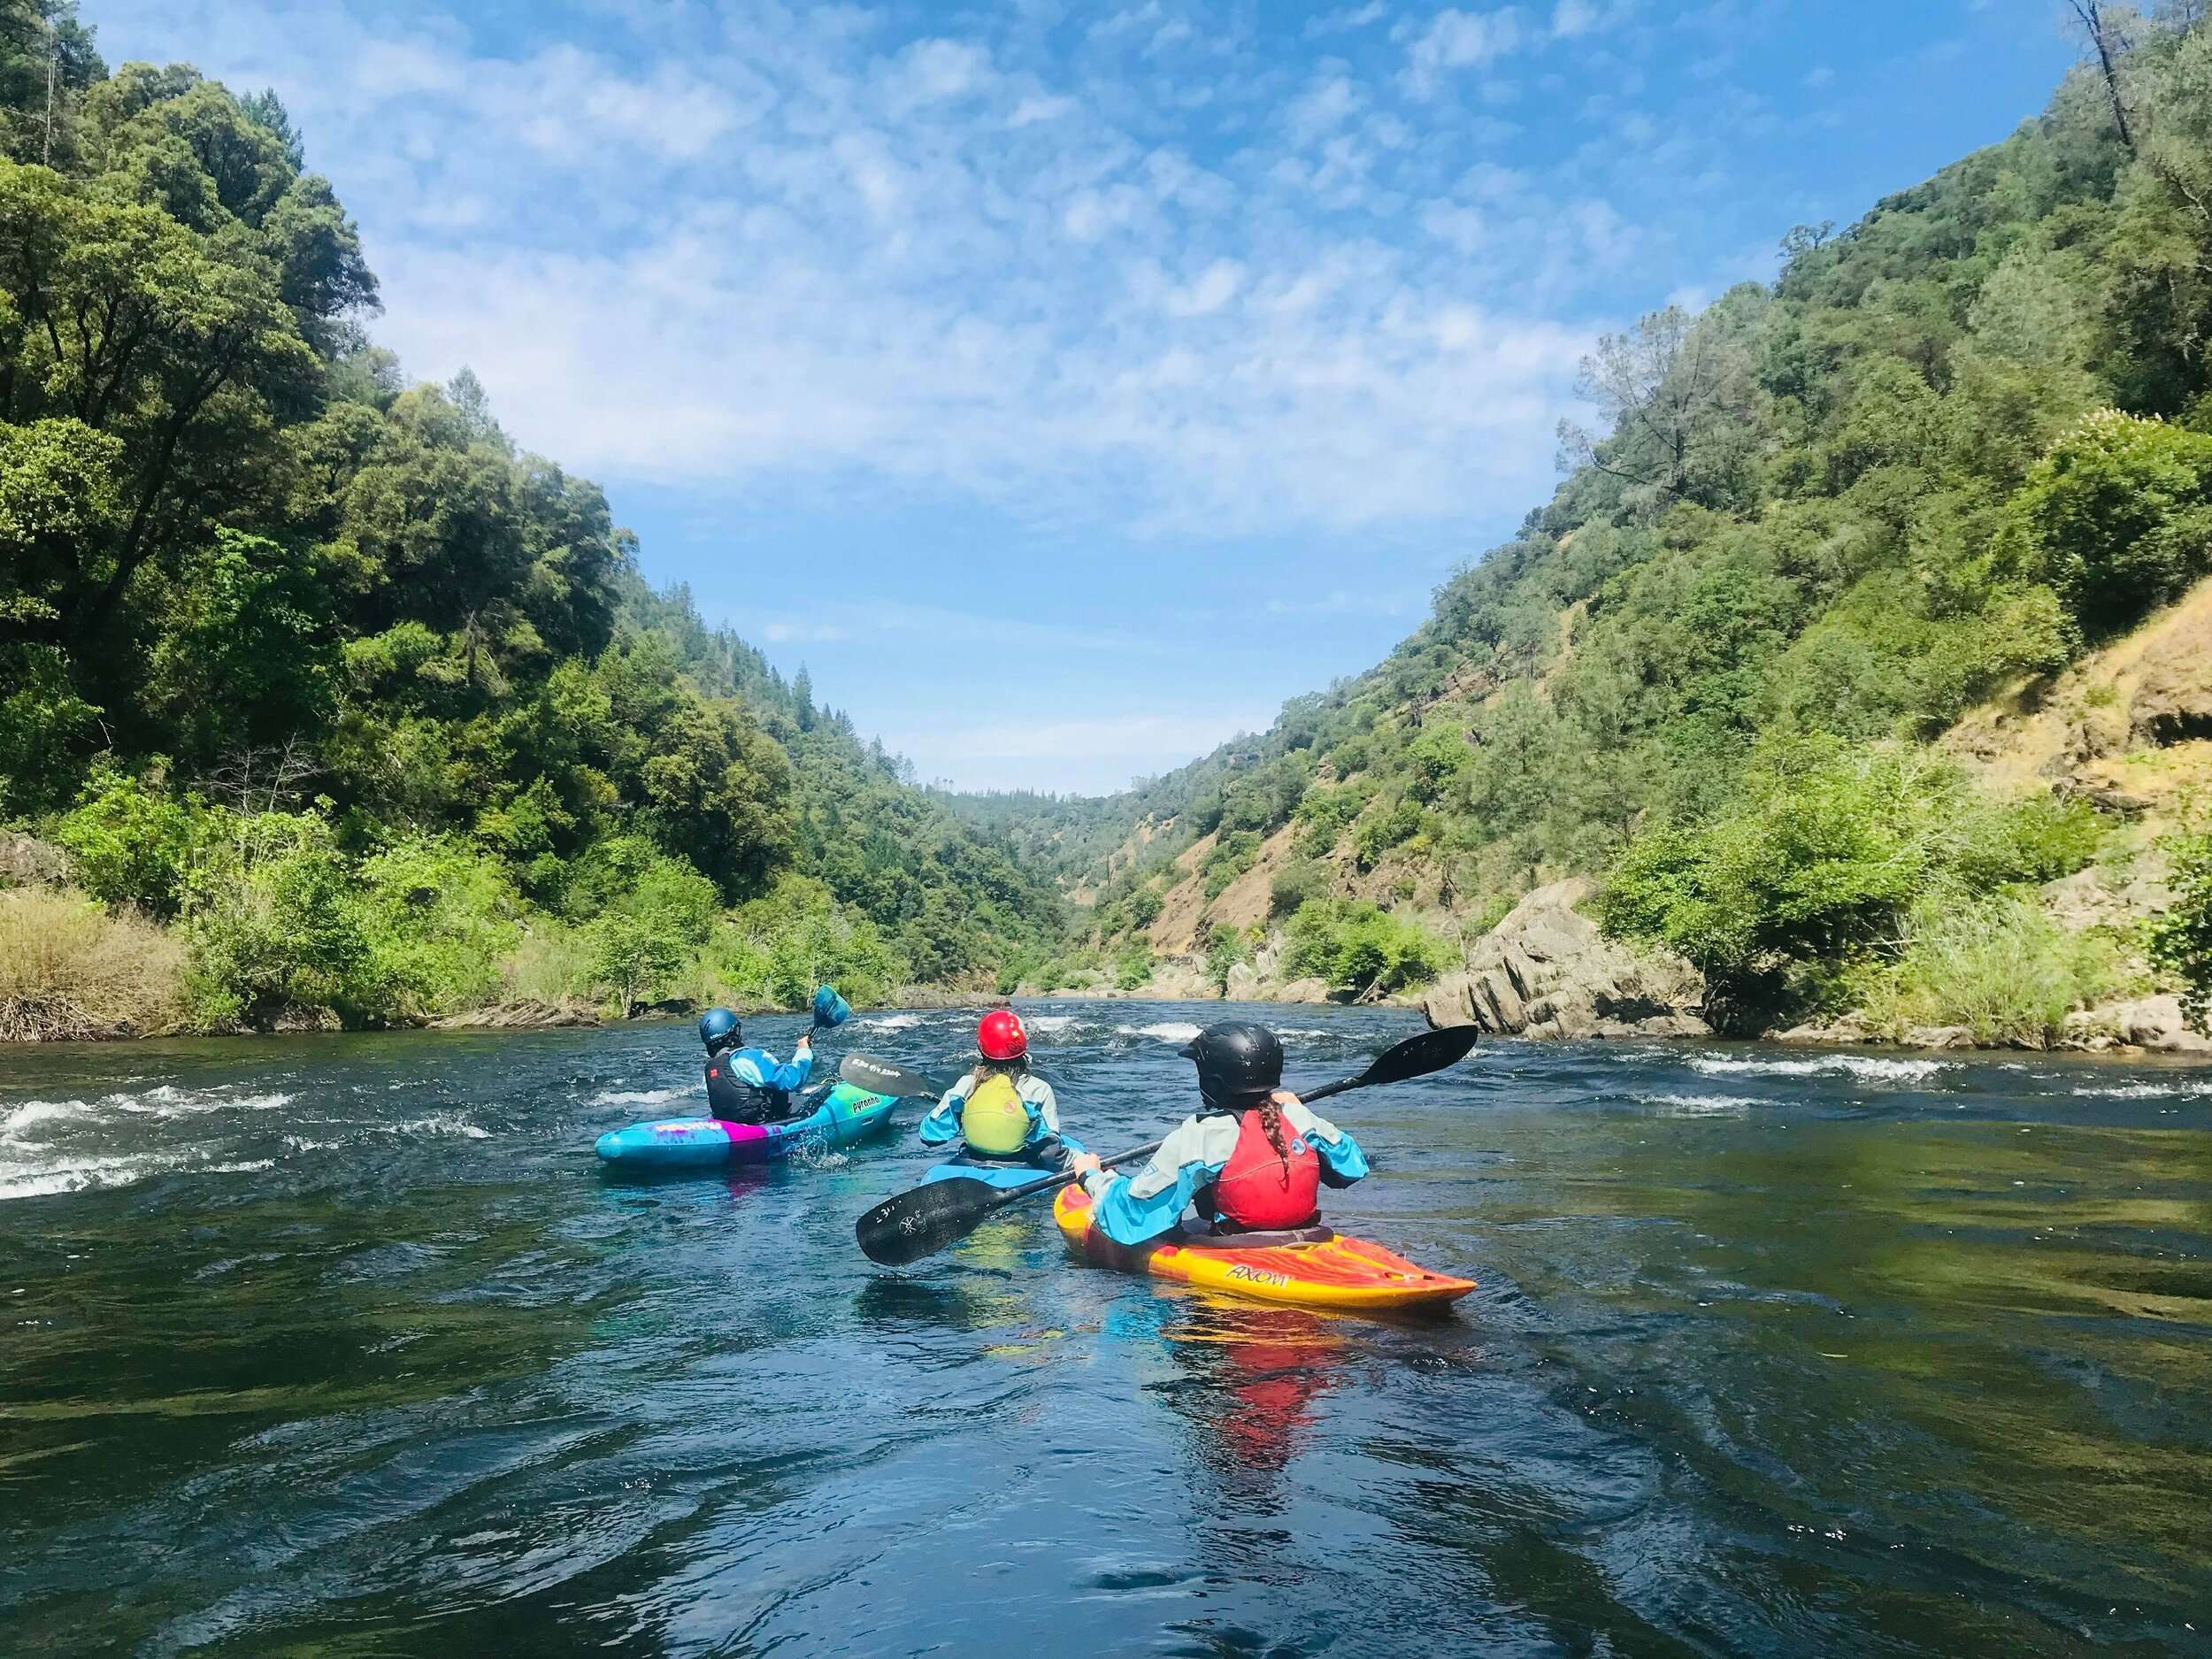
845, 1116
1003, 1175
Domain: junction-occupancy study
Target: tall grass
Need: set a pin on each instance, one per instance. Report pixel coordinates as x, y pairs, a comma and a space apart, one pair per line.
2002, 968
70, 970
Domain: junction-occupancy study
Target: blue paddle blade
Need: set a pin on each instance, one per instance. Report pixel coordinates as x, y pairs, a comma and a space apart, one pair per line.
831, 1009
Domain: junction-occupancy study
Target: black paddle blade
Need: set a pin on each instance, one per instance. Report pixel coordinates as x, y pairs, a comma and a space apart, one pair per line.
926, 1220
1417, 1056
880, 1077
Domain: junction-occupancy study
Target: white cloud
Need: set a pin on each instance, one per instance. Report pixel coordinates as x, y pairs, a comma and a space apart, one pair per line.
1344, 21
1571, 19
1459, 40
785, 256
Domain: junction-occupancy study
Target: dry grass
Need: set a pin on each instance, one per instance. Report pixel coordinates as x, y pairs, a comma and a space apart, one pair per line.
71, 971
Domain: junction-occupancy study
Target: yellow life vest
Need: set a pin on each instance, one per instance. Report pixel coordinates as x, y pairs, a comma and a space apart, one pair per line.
994, 1120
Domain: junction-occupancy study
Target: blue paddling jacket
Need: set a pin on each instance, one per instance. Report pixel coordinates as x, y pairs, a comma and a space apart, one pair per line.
1134, 1209
750, 1085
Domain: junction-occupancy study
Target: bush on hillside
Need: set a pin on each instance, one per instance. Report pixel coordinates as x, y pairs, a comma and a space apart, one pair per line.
1295, 884
778, 947
1385, 830
1236, 852
1353, 946
2181, 940
2117, 517
1133, 967
1225, 948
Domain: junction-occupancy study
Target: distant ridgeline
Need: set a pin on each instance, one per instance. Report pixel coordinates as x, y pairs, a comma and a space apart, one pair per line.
371, 713
1951, 453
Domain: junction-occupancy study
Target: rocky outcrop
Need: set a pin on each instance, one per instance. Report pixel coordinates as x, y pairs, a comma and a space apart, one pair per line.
2155, 1023
1546, 971
28, 862
528, 1014
2172, 702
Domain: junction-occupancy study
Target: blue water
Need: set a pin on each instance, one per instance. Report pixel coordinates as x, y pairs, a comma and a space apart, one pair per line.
343, 1346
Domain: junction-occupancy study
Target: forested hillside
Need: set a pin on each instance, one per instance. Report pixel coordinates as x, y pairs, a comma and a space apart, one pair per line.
368, 711
1954, 448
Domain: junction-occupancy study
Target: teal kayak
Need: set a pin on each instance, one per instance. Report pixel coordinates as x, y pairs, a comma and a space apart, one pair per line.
846, 1115
996, 1174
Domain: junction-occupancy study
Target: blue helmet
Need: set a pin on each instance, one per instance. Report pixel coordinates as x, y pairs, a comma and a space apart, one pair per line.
719, 1028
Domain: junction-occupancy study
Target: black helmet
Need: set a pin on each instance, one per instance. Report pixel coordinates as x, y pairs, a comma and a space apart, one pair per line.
1240, 1064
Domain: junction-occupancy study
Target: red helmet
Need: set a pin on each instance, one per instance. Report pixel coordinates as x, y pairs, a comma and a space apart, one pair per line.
1001, 1036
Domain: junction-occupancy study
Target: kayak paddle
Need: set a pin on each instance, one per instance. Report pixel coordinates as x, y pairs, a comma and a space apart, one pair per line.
880, 1077
923, 1221
829, 1009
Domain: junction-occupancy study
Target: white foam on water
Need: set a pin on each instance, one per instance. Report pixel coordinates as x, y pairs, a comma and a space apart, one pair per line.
892, 1022
436, 1127
638, 1096
1051, 1025
41, 1112
170, 1102
34, 1181
1170, 1030
1859, 1065
1702, 1105
2147, 1091
250, 1166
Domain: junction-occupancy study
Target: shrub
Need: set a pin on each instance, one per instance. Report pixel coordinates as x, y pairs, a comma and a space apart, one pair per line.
2117, 516
1224, 950
1234, 854
71, 970
1133, 967
776, 949
280, 930
2002, 968
1379, 835
1294, 886
438, 917
131, 841
2181, 940
1438, 759
1353, 946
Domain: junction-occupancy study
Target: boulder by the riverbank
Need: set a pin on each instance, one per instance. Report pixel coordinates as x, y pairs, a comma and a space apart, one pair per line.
1546, 971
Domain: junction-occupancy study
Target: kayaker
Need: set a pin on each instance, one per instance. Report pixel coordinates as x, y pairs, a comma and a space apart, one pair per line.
1001, 1111
750, 1085
1253, 1159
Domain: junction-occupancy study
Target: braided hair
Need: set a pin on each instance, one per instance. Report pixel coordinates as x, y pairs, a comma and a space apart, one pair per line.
1271, 1126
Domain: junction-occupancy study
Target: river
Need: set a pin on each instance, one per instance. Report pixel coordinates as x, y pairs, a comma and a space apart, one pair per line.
343, 1345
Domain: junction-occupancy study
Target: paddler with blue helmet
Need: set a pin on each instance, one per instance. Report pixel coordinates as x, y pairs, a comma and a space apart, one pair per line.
1002, 1112
1253, 1158
745, 1085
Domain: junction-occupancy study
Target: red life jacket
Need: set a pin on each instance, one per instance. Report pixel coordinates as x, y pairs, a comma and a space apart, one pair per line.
1259, 1189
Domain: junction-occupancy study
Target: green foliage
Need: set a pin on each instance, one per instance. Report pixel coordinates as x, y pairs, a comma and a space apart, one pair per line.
1226, 948
1355, 947
2181, 940
1236, 852
1323, 816
1820, 860
778, 947
232, 536
1295, 884
2000, 967
1385, 830
133, 843
2118, 516
1133, 967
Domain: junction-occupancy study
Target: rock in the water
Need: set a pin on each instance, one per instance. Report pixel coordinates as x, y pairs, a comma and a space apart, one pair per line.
1303, 991
1939, 1037
1546, 971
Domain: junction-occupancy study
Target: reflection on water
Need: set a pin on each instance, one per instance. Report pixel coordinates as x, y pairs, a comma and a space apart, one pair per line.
344, 1345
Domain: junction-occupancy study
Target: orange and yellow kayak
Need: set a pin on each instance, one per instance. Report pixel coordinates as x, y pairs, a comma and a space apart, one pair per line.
1339, 1272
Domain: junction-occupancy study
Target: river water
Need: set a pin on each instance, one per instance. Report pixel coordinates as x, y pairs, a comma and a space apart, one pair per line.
342, 1346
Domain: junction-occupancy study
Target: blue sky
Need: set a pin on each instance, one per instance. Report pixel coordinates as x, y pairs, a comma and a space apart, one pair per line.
1068, 384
